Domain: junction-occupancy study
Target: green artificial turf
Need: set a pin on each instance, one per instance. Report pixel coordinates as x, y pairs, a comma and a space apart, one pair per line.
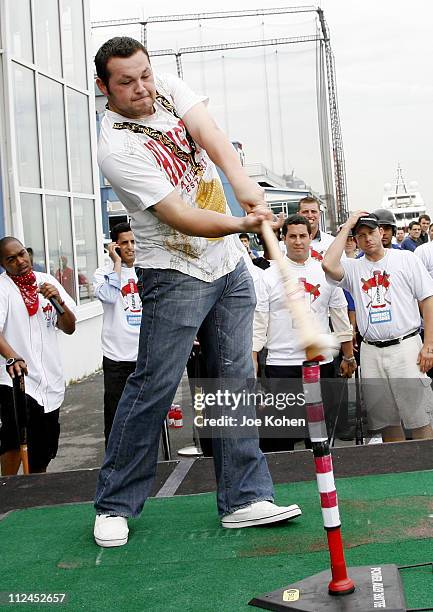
179, 558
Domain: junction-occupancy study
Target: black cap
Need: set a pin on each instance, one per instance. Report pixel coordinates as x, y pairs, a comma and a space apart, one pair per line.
369, 220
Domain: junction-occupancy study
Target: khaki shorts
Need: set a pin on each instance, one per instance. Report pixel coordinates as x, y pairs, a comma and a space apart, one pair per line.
394, 389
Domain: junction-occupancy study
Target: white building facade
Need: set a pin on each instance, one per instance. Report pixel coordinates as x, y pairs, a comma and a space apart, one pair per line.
49, 181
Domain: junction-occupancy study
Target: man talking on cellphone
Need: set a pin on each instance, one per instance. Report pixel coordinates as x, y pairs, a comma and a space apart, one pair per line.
116, 287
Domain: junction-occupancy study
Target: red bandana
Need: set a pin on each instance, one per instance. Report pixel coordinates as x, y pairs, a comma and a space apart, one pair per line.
28, 287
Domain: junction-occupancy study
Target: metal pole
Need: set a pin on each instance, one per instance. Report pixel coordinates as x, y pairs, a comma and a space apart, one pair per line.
179, 65
166, 441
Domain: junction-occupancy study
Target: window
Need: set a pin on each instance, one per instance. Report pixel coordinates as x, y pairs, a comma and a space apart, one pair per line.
47, 37
31, 210
85, 243
21, 31
79, 138
74, 49
60, 242
52, 169
53, 134
26, 127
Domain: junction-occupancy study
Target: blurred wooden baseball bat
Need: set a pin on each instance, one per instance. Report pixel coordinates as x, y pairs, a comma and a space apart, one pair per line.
20, 409
315, 342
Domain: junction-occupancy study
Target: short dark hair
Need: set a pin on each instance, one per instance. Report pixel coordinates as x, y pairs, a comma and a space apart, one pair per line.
424, 217
310, 199
119, 46
5, 241
296, 220
120, 228
244, 236
412, 223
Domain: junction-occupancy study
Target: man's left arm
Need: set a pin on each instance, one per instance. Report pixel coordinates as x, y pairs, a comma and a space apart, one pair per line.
425, 357
65, 321
343, 331
208, 135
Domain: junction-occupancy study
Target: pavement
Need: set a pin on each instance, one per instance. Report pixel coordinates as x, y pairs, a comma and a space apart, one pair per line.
81, 444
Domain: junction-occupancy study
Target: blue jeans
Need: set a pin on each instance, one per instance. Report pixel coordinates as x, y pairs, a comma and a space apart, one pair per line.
175, 306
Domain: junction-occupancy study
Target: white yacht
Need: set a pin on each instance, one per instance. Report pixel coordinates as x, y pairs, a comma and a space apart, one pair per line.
405, 201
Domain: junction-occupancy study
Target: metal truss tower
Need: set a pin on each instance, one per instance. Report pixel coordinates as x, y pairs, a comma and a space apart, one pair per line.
342, 209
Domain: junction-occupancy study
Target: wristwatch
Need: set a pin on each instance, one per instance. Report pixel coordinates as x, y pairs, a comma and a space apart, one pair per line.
10, 362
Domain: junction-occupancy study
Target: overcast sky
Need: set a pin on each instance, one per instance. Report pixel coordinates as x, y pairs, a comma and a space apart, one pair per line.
383, 54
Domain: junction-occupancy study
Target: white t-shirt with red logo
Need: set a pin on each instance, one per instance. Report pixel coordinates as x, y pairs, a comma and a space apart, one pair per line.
386, 293
122, 312
143, 171
34, 338
320, 245
425, 253
282, 341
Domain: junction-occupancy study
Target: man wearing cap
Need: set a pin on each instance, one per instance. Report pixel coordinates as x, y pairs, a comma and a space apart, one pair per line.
389, 288
387, 221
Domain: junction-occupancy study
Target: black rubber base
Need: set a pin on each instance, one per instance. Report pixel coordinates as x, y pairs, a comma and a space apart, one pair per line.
79, 486
377, 587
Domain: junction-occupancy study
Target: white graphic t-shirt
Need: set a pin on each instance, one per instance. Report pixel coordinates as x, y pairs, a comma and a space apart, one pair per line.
122, 312
282, 339
34, 338
143, 170
425, 253
386, 293
320, 245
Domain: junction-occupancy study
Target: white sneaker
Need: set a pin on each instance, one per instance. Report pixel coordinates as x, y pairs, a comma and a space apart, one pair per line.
375, 440
260, 513
110, 530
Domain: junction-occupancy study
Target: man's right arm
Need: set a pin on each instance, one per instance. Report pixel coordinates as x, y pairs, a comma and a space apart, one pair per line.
261, 320
173, 211
106, 286
141, 186
331, 263
18, 368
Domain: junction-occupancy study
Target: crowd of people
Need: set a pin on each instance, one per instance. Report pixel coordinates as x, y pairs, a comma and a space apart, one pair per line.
184, 269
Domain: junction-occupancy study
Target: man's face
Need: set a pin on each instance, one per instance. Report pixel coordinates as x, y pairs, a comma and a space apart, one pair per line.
15, 259
387, 236
246, 243
350, 246
400, 235
369, 240
310, 210
126, 246
424, 224
131, 88
297, 242
415, 231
